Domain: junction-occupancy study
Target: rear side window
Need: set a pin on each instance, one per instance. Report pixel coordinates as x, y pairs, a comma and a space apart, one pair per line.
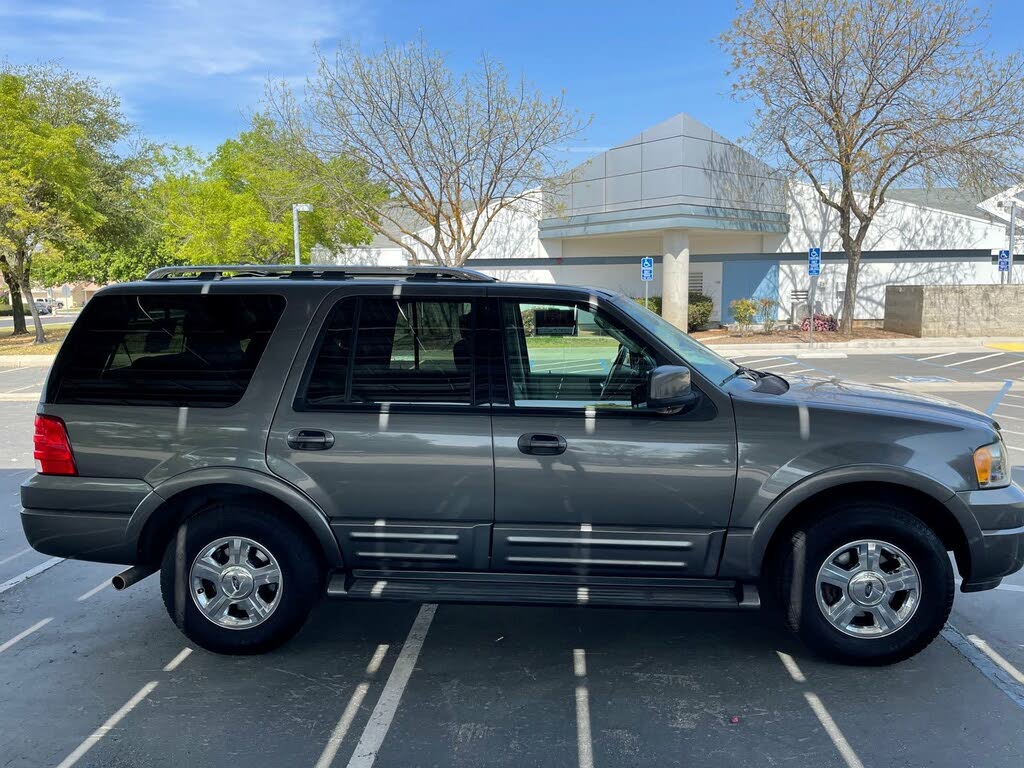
382, 350
197, 351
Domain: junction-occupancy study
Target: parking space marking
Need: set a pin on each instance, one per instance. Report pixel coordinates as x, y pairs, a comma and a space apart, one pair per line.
355, 701
96, 736
762, 360
986, 664
380, 719
778, 365
25, 633
584, 739
936, 357
11, 583
1007, 416
842, 745
1004, 365
1001, 662
803, 370
792, 667
174, 663
1012, 405
16, 555
98, 588
974, 359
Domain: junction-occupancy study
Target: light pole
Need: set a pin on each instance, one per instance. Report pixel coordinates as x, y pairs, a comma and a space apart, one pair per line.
305, 208
1012, 205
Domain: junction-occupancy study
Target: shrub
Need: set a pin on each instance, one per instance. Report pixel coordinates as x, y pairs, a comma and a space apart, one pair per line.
699, 312
766, 313
6, 310
821, 323
744, 311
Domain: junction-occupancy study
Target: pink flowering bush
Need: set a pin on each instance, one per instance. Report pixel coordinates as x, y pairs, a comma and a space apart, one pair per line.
821, 323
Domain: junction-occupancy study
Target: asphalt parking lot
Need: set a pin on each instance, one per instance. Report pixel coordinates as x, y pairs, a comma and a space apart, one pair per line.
93, 677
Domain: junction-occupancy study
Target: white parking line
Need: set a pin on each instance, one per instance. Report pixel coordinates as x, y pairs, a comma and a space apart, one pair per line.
1006, 431
96, 736
355, 701
804, 370
584, 740
975, 359
1017, 396
8, 559
380, 719
174, 663
762, 360
791, 666
1002, 663
11, 583
103, 585
936, 357
1004, 365
1008, 416
778, 365
1011, 405
25, 633
842, 745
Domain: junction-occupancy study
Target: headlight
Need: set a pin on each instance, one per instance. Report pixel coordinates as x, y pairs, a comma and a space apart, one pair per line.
990, 465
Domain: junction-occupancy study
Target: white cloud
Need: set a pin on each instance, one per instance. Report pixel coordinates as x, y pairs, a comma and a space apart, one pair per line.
178, 45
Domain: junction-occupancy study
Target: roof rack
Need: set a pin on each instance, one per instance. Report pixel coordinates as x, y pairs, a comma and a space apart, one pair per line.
316, 272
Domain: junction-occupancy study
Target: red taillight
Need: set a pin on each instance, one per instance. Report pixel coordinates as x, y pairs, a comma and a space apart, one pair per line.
52, 448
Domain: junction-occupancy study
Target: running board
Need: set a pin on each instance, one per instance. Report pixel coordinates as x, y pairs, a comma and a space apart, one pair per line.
547, 589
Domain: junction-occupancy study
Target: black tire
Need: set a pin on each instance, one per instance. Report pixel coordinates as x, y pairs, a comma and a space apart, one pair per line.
301, 583
795, 570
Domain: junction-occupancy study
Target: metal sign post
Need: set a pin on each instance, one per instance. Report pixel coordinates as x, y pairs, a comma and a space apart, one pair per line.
813, 269
646, 275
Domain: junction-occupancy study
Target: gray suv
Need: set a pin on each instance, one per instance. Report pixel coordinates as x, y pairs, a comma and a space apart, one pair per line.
265, 435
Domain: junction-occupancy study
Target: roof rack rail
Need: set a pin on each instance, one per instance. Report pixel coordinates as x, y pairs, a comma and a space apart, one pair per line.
316, 272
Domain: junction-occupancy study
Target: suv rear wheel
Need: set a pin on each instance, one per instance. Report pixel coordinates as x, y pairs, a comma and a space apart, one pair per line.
869, 584
239, 580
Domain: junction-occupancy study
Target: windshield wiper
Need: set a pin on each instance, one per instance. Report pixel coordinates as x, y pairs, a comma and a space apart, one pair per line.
742, 370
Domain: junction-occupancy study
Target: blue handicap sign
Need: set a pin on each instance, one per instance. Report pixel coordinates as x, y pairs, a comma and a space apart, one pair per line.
814, 261
647, 268
646, 274
1004, 261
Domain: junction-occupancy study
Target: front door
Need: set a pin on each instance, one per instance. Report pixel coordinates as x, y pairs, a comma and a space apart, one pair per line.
388, 428
587, 478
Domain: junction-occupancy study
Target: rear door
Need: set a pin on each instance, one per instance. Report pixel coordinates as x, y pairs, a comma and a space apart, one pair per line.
387, 427
589, 480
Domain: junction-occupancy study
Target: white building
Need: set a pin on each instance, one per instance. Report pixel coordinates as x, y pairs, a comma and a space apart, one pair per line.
719, 221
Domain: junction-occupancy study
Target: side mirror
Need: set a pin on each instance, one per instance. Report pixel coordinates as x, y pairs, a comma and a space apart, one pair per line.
669, 387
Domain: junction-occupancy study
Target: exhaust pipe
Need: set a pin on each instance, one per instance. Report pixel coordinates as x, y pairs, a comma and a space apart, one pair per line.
132, 575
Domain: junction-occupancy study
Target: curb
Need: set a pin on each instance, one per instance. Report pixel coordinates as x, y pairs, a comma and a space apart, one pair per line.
863, 347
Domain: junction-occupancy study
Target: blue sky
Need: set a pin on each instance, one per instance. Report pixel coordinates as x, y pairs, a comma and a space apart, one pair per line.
189, 71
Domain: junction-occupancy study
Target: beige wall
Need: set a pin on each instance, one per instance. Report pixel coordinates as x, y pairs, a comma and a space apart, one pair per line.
955, 310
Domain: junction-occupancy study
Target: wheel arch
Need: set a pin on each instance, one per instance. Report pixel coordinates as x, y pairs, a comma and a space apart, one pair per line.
177, 499
931, 502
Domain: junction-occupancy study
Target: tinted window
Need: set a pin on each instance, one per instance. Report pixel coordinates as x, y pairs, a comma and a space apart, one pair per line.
196, 351
406, 351
568, 356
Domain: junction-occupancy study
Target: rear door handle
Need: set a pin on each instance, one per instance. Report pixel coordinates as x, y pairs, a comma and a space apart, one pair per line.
310, 439
542, 445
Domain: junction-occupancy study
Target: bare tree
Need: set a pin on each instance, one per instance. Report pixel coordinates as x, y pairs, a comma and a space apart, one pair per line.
453, 150
859, 95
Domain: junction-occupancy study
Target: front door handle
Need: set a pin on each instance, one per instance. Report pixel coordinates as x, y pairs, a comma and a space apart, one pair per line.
310, 439
542, 445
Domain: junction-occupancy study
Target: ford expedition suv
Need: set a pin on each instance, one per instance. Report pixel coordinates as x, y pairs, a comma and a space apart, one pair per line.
263, 436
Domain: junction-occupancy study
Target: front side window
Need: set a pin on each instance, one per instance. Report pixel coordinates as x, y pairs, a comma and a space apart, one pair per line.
198, 351
378, 349
564, 355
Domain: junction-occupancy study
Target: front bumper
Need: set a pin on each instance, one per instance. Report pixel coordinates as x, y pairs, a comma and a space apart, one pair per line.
998, 550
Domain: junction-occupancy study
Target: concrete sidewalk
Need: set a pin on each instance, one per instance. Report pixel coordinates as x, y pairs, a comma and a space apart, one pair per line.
869, 346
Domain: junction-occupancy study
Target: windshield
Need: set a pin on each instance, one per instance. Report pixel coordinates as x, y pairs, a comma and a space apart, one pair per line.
708, 363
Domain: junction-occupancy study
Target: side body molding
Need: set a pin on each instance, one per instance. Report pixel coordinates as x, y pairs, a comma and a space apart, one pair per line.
745, 548
243, 479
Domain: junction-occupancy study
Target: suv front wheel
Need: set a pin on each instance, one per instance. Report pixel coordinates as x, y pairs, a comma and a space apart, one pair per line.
239, 580
868, 584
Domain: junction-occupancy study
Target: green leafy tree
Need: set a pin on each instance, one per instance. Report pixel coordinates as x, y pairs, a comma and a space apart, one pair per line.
66, 180
45, 186
236, 205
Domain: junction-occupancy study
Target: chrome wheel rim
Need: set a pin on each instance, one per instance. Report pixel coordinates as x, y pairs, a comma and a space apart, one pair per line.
235, 582
868, 588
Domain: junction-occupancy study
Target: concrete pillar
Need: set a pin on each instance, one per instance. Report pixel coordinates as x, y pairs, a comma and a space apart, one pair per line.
675, 276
